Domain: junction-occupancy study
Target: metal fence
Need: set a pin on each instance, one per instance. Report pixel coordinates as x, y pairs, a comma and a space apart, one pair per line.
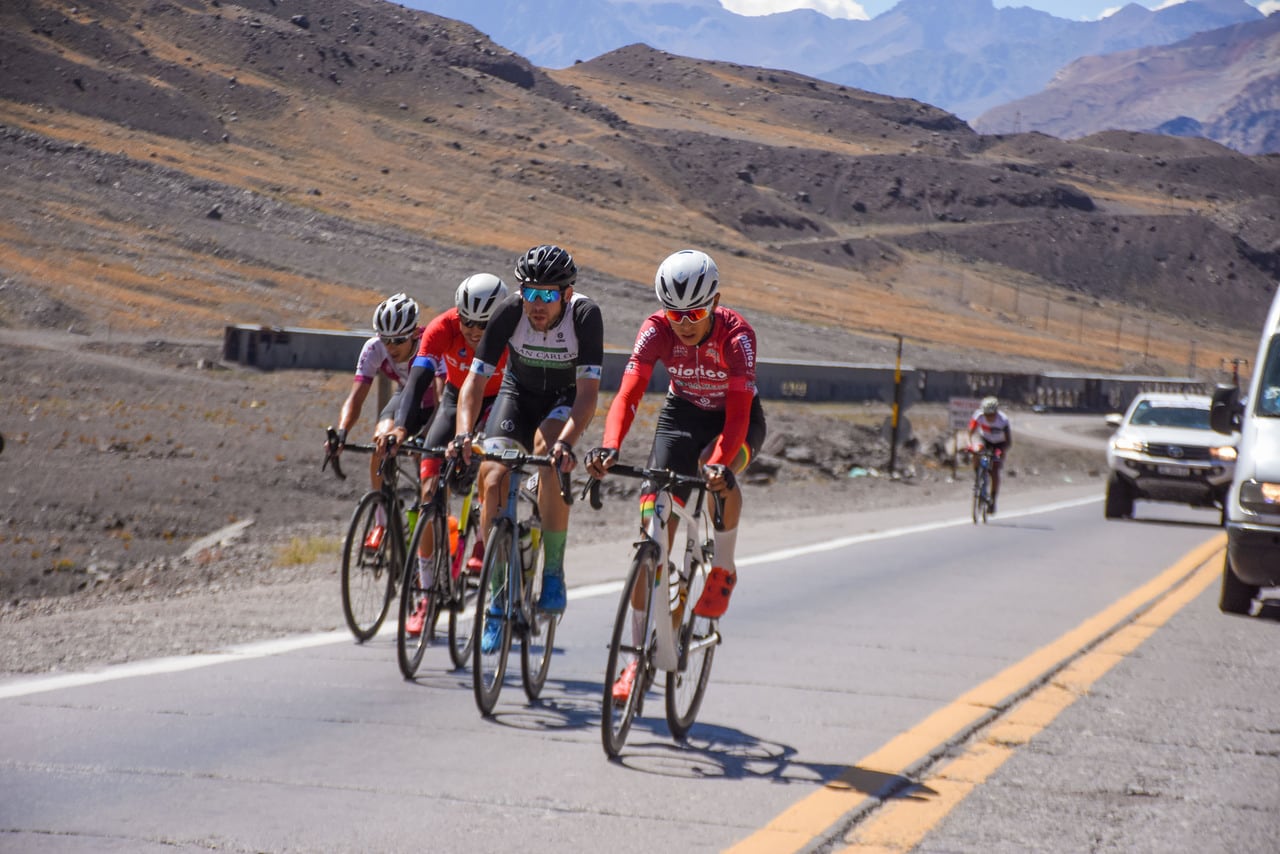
279, 348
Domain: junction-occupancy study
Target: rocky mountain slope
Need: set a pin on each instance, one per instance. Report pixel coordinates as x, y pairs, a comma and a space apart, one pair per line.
1223, 85
286, 163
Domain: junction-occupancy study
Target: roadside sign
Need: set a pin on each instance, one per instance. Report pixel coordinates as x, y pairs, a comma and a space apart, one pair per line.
960, 410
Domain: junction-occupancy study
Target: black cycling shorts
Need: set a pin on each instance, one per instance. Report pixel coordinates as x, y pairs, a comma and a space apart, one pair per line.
685, 434
517, 412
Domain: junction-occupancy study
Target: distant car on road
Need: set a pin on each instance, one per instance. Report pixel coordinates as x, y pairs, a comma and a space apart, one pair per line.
1163, 449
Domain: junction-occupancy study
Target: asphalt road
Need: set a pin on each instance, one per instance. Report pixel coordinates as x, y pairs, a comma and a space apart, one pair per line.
862, 658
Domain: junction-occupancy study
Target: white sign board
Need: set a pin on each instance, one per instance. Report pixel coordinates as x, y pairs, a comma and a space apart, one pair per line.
960, 410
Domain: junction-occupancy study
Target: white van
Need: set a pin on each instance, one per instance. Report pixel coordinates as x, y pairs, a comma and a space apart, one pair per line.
1252, 509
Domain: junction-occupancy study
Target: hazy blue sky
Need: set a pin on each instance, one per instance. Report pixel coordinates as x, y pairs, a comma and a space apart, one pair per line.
1077, 9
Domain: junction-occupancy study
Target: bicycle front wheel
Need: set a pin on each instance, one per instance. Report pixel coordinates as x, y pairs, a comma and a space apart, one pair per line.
494, 614
419, 598
982, 501
628, 671
369, 571
538, 641
698, 639
465, 588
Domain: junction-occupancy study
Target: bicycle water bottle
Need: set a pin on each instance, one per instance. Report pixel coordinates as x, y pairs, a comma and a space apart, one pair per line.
528, 537
453, 535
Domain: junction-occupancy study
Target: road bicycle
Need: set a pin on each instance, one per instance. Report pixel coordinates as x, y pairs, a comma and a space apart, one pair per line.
510, 583
451, 588
982, 485
372, 563
655, 628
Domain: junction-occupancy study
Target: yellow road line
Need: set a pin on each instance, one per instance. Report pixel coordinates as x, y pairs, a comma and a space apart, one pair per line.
861, 787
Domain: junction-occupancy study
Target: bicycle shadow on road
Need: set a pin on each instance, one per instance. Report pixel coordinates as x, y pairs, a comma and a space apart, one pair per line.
715, 752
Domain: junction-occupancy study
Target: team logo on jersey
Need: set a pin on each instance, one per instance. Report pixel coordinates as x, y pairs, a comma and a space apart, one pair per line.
507, 425
699, 372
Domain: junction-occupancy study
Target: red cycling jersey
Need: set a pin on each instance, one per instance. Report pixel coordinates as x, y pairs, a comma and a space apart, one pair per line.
443, 340
717, 374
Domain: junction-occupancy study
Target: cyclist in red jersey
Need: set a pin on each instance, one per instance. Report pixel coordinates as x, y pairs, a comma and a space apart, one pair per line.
712, 418
450, 341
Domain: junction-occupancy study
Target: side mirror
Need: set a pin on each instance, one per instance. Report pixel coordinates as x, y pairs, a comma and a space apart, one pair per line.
1114, 419
1226, 409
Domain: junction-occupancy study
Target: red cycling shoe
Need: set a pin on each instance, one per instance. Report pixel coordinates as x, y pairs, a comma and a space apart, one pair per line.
714, 600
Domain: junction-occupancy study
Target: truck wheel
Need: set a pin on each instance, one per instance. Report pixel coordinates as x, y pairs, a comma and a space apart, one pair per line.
1237, 597
1119, 502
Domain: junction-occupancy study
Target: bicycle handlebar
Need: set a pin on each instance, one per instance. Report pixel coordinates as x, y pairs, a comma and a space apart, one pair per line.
513, 458
333, 445
663, 478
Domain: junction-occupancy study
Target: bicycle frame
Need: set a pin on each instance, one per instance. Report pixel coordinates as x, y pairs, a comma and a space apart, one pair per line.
669, 653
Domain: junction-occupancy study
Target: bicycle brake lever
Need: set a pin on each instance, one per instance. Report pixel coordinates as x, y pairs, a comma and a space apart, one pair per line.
332, 441
592, 489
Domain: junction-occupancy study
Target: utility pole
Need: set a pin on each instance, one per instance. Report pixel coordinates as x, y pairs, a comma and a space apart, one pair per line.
897, 406
1235, 369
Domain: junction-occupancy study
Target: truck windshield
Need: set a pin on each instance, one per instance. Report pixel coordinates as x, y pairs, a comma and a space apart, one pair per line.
1269, 384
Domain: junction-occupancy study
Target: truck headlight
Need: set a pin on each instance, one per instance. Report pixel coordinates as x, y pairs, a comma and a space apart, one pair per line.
1127, 445
1260, 497
1226, 453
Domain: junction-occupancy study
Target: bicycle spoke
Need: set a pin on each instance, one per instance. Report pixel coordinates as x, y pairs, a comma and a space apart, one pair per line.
698, 639
493, 620
368, 575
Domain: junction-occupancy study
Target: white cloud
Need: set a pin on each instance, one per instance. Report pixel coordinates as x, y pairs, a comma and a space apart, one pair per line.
1167, 3
1269, 7
830, 8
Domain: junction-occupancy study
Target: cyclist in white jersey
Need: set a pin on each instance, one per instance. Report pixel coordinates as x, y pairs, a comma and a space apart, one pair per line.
388, 353
993, 427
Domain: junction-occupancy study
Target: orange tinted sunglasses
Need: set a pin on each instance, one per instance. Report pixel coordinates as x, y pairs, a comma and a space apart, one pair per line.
688, 315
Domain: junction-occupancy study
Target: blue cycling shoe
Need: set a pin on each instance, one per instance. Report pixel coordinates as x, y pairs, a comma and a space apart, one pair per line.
553, 598
491, 637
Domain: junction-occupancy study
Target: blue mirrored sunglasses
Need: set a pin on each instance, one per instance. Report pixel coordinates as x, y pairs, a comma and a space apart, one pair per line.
540, 294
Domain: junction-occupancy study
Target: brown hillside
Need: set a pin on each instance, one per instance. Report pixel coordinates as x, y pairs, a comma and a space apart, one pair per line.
280, 162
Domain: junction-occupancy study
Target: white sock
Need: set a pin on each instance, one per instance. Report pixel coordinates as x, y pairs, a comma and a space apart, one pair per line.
424, 572
724, 544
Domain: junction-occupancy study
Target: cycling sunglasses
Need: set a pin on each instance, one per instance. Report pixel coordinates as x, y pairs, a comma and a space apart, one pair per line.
540, 294
688, 315
399, 339
474, 324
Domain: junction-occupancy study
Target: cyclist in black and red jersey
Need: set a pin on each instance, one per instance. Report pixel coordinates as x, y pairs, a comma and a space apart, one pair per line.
712, 418
993, 427
554, 339
448, 343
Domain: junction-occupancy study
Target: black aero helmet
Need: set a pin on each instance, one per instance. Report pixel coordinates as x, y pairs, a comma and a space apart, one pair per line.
547, 265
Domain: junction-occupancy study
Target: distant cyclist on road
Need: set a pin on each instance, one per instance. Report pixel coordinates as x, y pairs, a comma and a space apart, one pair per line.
712, 420
994, 429
554, 338
448, 344
386, 354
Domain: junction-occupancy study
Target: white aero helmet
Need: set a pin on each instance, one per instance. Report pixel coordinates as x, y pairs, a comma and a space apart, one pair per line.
478, 296
990, 405
396, 316
687, 279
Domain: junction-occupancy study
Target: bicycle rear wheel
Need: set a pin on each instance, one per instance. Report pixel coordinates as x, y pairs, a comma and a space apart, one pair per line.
414, 595
493, 603
369, 576
698, 639
465, 588
538, 641
982, 502
629, 646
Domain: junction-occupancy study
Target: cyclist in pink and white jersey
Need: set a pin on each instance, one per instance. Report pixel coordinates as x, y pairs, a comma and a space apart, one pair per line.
712, 418
388, 354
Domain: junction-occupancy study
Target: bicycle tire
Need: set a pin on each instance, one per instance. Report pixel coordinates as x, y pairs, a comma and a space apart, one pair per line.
368, 579
465, 587
410, 649
537, 643
687, 686
985, 492
616, 718
489, 668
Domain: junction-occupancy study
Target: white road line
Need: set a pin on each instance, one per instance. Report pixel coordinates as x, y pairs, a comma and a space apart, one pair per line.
26, 686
